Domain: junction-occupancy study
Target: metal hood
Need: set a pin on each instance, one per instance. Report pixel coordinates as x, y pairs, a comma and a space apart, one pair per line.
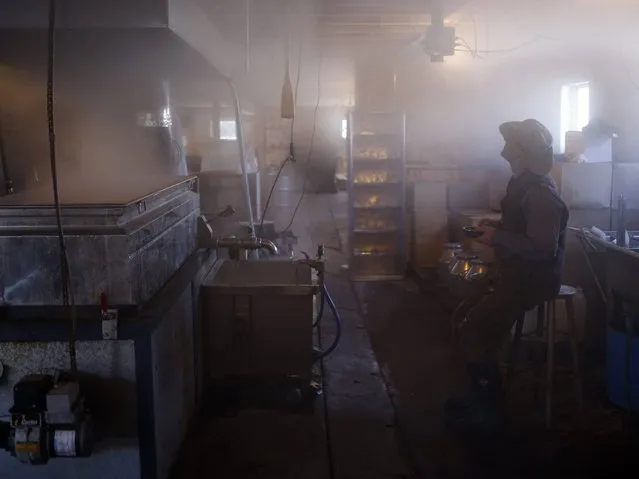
115, 62
179, 29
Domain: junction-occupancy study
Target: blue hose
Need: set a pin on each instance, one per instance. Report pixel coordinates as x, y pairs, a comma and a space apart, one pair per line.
320, 313
338, 322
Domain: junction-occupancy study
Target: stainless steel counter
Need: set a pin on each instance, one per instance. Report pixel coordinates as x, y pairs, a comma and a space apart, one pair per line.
125, 240
621, 266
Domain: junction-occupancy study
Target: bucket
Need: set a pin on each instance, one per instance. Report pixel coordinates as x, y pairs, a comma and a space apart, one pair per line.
616, 377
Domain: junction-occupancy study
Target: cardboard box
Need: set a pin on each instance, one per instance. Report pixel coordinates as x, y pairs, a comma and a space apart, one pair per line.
584, 185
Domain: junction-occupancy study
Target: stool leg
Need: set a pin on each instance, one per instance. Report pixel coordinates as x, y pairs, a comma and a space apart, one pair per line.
513, 354
539, 363
574, 346
550, 361
541, 308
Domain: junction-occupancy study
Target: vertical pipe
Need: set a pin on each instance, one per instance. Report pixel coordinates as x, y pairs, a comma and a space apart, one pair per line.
240, 141
247, 46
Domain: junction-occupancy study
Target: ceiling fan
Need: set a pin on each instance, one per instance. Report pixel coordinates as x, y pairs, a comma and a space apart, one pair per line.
438, 41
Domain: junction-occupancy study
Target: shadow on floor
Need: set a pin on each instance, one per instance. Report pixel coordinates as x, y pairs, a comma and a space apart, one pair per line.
413, 344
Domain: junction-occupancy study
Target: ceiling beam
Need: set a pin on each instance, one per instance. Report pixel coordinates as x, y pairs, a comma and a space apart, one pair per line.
378, 7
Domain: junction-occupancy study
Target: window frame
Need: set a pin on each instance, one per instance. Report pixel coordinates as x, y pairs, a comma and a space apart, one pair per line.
221, 124
573, 118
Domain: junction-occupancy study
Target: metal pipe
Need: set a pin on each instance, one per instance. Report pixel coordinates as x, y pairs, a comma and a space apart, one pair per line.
240, 140
247, 52
246, 244
207, 239
374, 24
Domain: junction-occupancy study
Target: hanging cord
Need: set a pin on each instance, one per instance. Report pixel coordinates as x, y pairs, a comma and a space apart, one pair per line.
310, 148
327, 420
320, 358
338, 325
8, 183
67, 289
291, 153
270, 193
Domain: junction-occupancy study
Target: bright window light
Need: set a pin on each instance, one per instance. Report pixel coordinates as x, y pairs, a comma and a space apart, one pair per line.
228, 130
575, 109
344, 128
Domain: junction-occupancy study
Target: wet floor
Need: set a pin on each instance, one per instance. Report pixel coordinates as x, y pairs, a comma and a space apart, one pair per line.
381, 414
413, 344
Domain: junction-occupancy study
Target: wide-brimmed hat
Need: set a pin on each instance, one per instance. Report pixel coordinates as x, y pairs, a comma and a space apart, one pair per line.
535, 142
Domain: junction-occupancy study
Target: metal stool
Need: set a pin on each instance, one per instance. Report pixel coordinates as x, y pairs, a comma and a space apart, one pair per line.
545, 332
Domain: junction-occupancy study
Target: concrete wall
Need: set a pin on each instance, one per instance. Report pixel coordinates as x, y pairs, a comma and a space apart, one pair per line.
173, 346
616, 98
454, 111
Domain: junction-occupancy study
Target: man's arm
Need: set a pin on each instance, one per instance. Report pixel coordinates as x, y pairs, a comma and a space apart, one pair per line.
543, 217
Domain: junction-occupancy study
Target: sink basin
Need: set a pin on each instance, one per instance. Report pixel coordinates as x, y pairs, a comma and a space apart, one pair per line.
251, 277
634, 239
257, 319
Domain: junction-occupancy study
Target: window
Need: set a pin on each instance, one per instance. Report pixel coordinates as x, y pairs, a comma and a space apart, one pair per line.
228, 130
575, 109
344, 128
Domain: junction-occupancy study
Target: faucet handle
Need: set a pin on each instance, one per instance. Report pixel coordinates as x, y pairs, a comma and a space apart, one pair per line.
226, 212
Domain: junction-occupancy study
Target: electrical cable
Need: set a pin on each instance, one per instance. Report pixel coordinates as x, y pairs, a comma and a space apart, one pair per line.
320, 312
503, 50
472, 51
270, 193
8, 183
65, 273
310, 149
327, 421
291, 155
338, 326
297, 84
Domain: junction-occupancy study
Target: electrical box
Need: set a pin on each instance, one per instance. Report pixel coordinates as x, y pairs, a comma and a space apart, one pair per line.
439, 42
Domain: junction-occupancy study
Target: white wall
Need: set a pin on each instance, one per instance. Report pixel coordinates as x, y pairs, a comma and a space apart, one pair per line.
455, 111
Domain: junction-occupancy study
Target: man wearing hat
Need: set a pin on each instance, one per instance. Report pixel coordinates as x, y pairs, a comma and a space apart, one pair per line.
529, 244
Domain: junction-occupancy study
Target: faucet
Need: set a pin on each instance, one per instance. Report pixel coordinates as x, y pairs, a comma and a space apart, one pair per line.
206, 239
232, 242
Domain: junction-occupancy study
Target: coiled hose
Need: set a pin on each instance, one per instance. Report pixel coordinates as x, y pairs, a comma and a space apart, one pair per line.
325, 296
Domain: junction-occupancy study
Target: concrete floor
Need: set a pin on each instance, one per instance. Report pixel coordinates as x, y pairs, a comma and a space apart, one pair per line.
384, 388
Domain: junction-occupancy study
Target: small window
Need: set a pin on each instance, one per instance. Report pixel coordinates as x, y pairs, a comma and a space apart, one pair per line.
575, 109
228, 130
344, 128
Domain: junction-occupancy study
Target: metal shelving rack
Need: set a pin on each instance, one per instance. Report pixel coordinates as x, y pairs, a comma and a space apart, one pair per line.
377, 195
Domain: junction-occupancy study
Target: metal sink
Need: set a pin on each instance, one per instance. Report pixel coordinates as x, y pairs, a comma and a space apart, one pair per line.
251, 277
634, 239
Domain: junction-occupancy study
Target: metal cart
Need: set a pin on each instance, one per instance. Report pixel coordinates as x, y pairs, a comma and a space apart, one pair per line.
377, 192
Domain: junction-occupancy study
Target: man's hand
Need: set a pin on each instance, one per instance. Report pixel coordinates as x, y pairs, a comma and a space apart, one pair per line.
487, 237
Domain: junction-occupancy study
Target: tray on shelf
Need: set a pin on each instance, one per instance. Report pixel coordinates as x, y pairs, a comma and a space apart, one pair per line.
368, 220
377, 193
375, 268
369, 150
375, 197
375, 243
377, 176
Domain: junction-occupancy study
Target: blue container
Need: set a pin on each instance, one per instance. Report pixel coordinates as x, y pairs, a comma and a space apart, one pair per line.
616, 369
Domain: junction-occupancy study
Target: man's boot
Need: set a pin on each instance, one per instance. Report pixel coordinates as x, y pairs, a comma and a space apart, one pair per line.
481, 410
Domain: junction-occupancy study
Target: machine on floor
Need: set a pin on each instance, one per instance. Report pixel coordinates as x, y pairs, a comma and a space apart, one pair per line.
49, 419
259, 319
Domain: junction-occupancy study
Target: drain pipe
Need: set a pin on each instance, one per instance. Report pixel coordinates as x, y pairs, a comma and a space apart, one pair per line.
247, 46
242, 148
